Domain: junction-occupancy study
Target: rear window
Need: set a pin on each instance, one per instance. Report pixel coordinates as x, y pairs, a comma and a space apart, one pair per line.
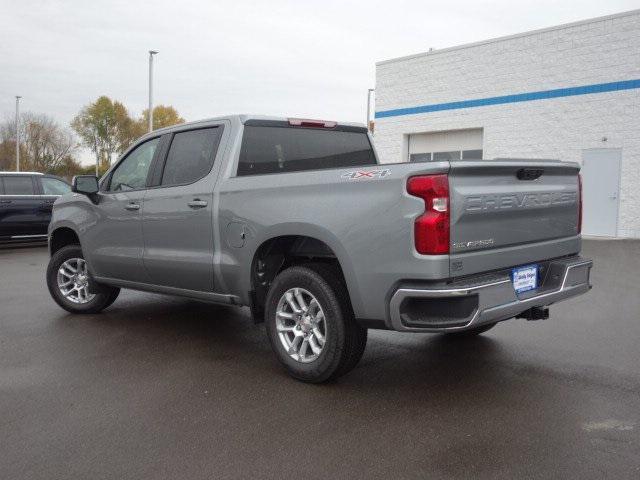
289, 149
18, 185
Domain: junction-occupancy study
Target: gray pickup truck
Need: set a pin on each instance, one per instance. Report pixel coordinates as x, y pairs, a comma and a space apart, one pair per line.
299, 221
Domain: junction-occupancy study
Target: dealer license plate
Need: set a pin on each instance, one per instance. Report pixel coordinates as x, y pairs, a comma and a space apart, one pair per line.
525, 278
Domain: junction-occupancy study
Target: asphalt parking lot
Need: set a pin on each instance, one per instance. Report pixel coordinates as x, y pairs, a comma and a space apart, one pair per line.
157, 387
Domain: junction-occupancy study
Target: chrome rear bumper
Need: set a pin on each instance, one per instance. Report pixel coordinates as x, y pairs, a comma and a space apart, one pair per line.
484, 299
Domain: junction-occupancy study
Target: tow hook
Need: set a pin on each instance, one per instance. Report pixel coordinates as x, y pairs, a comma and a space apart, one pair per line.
535, 313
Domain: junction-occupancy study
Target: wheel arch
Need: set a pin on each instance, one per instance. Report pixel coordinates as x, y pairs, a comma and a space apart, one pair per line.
61, 237
291, 247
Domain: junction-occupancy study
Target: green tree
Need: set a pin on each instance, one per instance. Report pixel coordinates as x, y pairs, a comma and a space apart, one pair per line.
105, 127
163, 116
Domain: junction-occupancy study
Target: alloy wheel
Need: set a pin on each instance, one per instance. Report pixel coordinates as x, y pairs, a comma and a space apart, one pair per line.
73, 281
301, 325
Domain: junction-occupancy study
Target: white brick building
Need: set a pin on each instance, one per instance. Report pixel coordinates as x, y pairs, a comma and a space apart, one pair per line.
570, 92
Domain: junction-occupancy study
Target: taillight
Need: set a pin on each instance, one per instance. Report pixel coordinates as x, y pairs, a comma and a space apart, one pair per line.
579, 203
431, 229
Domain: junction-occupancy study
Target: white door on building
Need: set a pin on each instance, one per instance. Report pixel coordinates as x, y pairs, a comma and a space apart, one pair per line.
600, 191
445, 145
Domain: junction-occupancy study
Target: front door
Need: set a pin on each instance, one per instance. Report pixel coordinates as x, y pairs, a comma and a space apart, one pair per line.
600, 191
114, 246
178, 218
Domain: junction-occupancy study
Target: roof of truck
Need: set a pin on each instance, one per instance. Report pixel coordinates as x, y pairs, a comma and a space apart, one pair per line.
242, 118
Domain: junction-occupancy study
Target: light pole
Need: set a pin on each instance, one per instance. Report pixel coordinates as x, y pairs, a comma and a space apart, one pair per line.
369, 107
18, 97
151, 54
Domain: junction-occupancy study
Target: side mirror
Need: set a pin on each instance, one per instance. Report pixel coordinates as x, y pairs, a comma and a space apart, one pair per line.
85, 184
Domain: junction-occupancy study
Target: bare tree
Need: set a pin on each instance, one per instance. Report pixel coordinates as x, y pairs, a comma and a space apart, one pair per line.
44, 144
8, 143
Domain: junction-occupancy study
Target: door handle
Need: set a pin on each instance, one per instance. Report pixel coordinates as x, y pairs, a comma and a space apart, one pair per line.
132, 207
6, 202
197, 203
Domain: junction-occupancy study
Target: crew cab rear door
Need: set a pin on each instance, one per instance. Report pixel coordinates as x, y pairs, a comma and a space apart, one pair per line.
179, 210
510, 212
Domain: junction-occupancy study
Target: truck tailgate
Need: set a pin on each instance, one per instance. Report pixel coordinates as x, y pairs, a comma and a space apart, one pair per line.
510, 212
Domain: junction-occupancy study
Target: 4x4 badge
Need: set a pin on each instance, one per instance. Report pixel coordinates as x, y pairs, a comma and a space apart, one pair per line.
358, 174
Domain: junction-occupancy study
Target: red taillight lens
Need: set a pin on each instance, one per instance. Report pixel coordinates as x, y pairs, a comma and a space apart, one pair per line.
431, 229
579, 203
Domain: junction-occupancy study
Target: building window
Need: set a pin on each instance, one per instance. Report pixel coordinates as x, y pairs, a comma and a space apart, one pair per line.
420, 157
444, 156
444, 146
472, 154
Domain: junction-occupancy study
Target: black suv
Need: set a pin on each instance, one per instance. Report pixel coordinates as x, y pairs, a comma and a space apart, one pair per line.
26, 200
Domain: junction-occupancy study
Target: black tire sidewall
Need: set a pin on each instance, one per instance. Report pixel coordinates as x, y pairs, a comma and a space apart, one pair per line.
97, 303
329, 360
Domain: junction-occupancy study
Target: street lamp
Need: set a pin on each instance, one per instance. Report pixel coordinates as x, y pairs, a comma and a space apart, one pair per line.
151, 54
18, 97
369, 107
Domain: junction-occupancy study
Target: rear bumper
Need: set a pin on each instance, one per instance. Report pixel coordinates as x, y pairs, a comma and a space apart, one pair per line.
484, 299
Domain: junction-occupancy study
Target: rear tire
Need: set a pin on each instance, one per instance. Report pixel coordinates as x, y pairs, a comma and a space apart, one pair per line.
472, 332
311, 304
68, 283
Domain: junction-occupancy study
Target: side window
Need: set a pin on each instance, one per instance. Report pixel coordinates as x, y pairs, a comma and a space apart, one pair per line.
190, 156
132, 172
18, 185
52, 186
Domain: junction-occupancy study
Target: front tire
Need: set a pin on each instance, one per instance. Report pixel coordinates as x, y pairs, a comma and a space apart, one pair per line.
68, 283
311, 325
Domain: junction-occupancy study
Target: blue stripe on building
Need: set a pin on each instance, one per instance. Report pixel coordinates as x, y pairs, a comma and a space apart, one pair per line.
518, 97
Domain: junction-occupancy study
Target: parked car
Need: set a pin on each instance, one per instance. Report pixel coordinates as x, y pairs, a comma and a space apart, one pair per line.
26, 200
298, 220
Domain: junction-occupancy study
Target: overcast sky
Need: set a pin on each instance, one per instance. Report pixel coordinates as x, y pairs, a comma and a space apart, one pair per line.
283, 57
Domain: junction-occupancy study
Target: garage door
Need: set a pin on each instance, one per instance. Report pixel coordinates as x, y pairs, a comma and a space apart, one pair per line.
447, 145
